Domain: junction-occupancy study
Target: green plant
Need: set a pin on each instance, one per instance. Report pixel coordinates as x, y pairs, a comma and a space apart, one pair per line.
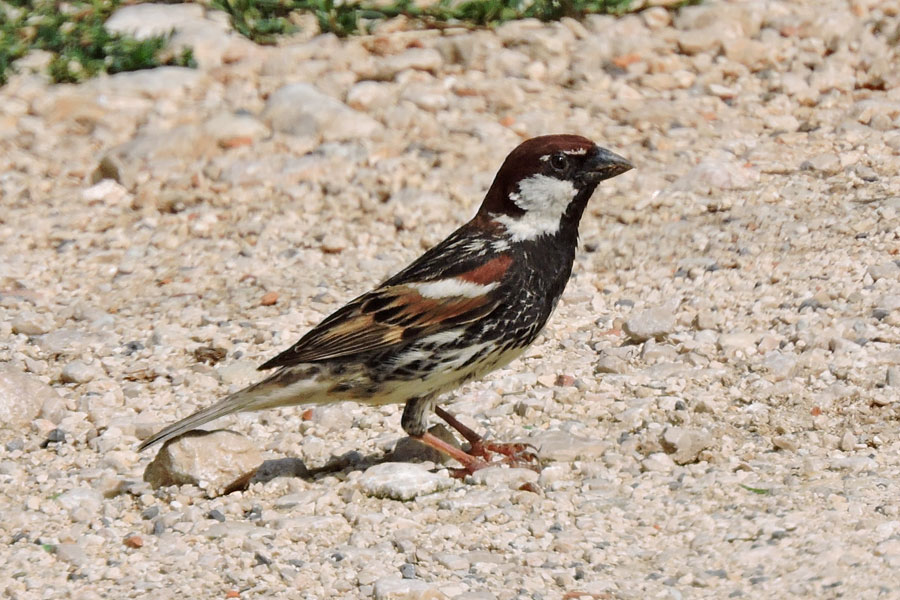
74, 35
259, 20
262, 20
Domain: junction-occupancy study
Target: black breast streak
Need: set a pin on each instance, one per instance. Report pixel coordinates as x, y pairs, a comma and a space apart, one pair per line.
529, 292
537, 277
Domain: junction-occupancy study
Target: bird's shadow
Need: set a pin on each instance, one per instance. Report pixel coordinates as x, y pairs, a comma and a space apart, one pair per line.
406, 450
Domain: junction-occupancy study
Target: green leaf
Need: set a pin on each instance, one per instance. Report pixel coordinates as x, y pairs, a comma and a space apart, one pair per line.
760, 491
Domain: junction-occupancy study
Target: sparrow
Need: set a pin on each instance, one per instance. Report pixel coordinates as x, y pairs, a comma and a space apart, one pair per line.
469, 305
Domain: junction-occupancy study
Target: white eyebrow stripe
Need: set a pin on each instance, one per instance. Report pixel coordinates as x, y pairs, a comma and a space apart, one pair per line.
573, 152
452, 287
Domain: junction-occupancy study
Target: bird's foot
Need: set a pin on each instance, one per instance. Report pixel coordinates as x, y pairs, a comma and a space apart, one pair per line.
514, 454
482, 454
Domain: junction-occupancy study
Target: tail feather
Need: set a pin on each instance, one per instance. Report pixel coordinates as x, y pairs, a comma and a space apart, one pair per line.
220, 409
268, 393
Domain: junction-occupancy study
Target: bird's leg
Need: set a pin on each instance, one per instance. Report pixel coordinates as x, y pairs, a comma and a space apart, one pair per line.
414, 422
469, 463
516, 454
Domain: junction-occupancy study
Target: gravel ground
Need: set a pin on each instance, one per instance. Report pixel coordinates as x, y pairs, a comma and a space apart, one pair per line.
716, 398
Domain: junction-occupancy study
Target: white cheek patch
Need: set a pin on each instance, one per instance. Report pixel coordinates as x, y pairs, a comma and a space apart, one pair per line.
544, 200
452, 287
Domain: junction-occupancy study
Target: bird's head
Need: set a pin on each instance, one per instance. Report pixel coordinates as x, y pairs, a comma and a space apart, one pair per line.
545, 183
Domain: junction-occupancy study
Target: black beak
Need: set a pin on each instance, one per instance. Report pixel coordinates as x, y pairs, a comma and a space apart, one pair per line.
602, 164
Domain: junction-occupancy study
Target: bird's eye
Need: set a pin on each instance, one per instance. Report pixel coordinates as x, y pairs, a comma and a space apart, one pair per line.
559, 162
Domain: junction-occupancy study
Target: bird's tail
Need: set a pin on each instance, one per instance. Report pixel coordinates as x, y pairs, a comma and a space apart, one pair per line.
268, 393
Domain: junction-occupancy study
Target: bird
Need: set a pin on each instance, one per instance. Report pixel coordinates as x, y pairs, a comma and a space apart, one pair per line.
468, 306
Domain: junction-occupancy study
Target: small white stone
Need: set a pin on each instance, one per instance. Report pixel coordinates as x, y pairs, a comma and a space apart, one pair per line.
848, 442
302, 109
885, 270
31, 323
392, 588
71, 553
79, 371
499, 476
653, 323
22, 395
658, 462
84, 499
401, 481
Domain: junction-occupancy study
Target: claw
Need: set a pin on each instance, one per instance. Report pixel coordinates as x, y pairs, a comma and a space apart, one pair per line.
515, 454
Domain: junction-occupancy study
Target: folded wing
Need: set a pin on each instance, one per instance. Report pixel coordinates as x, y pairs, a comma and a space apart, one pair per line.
390, 316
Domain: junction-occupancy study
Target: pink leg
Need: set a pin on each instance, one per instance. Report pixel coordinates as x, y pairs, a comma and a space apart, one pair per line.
469, 463
518, 455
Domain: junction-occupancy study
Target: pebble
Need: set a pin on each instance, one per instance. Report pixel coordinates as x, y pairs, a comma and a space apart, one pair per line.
79, 371
454, 562
211, 460
370, 96
848, 442
143, 21
53, 409
684, 445
498, 476
779, 366
653, 323
390, 588
30, 323
886, 270
22, 396
706, 319
561, 446
82, 503
737, 344
332, 417
402, 481
208, 37
106, 191
784, 442
610, 364
892, 377
658, 462
719, 172
66, 342
71, 553
702, 40
306, 528
823, 163
419, 59
239, 372
231, 130
303, 110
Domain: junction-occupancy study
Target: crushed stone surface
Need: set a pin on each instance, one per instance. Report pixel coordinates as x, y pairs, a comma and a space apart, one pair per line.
163, 232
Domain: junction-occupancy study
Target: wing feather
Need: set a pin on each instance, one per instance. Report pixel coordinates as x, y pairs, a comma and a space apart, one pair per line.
395, 313
385, 317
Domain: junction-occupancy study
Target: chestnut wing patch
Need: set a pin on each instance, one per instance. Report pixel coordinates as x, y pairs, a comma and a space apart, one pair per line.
490, 272
385, 317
